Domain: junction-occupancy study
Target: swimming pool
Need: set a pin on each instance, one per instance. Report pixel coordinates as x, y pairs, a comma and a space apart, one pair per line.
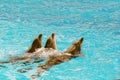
97, 21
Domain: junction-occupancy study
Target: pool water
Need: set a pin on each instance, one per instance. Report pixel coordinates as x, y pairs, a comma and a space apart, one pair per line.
98, 21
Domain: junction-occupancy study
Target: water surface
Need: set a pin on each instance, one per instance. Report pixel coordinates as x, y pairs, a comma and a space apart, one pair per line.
97, 21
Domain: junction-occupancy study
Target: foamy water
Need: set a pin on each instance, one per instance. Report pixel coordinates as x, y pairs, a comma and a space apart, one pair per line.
97, 21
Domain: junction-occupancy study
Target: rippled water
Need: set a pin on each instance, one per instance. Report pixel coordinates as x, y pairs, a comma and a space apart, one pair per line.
98, 21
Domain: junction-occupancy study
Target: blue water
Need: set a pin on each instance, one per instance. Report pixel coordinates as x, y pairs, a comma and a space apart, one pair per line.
98, 21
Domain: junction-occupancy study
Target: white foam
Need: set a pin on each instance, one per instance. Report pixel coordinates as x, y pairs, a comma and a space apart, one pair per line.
43, 53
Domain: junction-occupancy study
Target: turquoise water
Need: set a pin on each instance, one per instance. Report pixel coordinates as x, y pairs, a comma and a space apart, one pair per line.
98, 21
